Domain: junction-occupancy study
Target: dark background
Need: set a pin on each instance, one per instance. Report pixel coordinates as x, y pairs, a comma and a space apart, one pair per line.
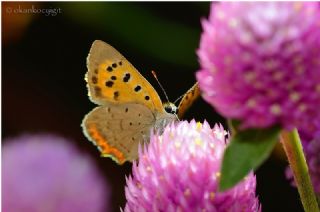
44, 63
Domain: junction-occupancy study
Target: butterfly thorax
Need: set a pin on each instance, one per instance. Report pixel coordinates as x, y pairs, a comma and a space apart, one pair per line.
162, 120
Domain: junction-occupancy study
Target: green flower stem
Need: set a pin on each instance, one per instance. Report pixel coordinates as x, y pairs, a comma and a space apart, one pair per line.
293, 148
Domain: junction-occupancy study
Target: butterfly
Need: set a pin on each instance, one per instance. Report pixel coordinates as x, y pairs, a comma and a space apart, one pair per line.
128, 106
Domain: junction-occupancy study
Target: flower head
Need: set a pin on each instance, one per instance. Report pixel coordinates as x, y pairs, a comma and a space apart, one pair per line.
260, 62
179, 170
47, 173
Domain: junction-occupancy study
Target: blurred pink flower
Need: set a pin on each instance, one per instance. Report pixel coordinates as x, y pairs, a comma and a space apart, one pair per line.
179, 171
47, 173
260, 62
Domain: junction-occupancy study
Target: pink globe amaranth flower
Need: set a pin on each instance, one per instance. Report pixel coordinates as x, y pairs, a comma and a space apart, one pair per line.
179, 171
309, 132
260, 62
46, 173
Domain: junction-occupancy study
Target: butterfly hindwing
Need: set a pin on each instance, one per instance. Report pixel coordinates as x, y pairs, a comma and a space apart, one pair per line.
112, 78
117, 130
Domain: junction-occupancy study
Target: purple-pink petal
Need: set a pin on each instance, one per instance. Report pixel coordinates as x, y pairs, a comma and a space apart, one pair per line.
179, 170
47, 173
260, 62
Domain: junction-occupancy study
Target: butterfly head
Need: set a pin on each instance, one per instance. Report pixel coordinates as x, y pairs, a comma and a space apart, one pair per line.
170, 108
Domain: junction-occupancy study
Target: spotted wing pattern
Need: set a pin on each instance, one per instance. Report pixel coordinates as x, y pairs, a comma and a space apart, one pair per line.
189, 98
112, 79
117, 130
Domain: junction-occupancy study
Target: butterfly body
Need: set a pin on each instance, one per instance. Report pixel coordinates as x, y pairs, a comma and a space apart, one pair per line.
163, 119
128, 108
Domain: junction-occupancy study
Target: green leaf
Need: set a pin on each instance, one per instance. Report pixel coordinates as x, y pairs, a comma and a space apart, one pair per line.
247, 150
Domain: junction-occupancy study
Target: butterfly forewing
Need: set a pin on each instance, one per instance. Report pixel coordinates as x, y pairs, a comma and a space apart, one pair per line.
112, 78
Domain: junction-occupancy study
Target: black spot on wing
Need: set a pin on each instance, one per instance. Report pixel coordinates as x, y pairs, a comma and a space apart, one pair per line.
97, 91
109, 84
94, 79
109, 68
137, 88
116, 95
126, 77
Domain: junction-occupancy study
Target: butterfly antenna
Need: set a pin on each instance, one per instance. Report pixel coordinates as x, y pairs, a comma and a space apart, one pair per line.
180, 97
155, 76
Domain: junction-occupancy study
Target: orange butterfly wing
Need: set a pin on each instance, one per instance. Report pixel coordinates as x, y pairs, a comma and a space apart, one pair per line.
188, 99
112, 79
129, 104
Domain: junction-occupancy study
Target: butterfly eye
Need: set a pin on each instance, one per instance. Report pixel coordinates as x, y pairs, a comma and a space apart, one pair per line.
170, 109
